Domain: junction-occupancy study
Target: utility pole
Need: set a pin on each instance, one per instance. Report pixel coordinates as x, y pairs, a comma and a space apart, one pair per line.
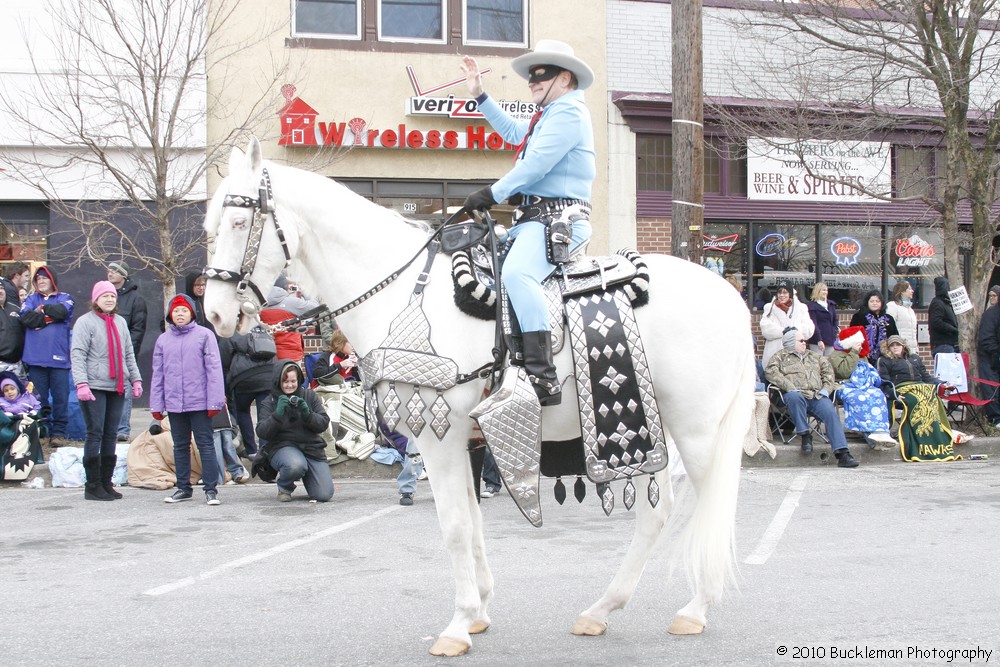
688, 210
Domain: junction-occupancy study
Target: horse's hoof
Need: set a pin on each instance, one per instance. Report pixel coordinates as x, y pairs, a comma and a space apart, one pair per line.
589, 627
478, 627
684, 625
448, 647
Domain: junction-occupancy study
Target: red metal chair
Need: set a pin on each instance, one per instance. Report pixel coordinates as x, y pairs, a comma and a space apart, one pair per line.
967, 400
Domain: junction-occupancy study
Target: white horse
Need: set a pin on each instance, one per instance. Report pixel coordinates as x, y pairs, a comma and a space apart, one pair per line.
696, 335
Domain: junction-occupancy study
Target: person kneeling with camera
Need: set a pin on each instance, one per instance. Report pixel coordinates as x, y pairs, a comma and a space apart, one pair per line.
291, 420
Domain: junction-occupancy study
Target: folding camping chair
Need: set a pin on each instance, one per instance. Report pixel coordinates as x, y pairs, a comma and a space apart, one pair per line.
968, 403
782, 426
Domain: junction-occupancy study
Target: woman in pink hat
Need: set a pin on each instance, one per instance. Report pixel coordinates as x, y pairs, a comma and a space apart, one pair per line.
104, 368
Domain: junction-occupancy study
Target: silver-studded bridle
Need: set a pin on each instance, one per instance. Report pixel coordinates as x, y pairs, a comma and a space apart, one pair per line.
262, 206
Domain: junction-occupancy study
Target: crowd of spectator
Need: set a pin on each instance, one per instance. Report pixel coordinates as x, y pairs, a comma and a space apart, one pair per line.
870, 371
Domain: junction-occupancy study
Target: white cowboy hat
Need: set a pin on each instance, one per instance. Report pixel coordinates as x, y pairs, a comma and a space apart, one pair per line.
554, 52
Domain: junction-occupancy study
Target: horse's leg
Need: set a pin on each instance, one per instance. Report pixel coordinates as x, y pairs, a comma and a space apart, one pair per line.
712, 460
461, 527
484, 577
649, 522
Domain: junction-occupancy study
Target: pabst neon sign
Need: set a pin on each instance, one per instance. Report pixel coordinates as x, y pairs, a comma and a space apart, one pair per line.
720, 243
846, 250
914, 251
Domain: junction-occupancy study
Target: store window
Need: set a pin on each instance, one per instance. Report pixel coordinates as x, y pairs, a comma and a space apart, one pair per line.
851, 262
724, 250
364, 24
783, 253
24, 231
431, 201
917, 256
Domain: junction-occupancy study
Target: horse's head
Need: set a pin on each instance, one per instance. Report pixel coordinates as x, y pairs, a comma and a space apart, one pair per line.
246, 251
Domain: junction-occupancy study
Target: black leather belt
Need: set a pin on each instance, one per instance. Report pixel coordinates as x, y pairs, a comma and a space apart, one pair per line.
549, 202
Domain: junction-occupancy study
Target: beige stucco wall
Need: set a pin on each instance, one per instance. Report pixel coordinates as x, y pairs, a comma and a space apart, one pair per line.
342, 84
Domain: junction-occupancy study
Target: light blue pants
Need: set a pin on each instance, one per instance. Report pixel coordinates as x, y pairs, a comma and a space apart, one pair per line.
225, 453
823, 409
407, 478
292, 465
526, 266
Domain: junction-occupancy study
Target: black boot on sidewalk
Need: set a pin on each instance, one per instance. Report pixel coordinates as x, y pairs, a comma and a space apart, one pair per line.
844, 459
807, 443
93, 490
107, 472
541, 368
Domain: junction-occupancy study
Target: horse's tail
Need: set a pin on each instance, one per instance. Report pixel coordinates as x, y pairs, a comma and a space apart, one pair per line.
709, 539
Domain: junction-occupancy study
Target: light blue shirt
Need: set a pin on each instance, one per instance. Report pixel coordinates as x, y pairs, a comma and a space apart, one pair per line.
560, 158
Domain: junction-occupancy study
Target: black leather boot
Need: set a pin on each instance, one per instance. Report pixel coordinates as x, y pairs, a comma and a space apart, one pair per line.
107, 472
515, 346
807, 443
844, 459
93, 490
541, 368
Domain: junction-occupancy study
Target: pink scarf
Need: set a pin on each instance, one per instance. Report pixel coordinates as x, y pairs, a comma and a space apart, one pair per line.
115, 356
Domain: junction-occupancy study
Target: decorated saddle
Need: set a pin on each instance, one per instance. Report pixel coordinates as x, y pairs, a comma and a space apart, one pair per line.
590, 303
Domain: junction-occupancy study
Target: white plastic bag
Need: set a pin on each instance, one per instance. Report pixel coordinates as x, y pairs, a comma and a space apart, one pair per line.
66, 466
950, 369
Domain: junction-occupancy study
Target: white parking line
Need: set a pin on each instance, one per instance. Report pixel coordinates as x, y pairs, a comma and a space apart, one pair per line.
776, 529
277, 549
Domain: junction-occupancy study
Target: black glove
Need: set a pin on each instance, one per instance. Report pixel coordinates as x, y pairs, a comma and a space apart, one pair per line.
33, 319
55, 311
480, 200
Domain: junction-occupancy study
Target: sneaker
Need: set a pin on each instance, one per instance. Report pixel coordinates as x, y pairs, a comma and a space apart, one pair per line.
406, 499
284, 497
178, 497
123, 438
242, 479
488, 492
212, 498
422, 475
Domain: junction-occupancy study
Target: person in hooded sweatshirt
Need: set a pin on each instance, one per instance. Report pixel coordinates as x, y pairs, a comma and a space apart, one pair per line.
194, 286
283, 305
292, 420
941, 321
46, 315
188, 386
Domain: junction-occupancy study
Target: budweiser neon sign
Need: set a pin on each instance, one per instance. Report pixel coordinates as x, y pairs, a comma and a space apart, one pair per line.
720, 243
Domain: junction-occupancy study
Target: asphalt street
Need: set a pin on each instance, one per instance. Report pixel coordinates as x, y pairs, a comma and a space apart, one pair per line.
886, 558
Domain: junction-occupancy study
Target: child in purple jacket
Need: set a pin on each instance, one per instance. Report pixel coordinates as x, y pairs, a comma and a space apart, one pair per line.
187, 385
13, 401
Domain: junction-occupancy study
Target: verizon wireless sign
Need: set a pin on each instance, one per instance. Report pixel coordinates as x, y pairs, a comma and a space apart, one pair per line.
457, 107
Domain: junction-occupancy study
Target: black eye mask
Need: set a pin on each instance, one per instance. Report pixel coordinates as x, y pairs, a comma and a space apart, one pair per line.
540, 73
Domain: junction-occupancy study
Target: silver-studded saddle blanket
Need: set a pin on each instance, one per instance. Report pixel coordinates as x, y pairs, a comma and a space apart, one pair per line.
619, 418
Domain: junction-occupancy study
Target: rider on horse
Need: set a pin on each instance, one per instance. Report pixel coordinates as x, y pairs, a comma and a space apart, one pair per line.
553, 171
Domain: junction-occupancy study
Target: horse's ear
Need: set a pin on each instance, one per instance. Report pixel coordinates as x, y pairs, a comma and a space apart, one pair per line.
254, 155
236, 159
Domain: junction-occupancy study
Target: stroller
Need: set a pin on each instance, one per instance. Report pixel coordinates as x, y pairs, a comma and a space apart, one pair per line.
20, 445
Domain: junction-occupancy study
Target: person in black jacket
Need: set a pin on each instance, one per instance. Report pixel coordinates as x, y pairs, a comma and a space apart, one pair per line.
247, 380
291, 420
132, 307
941, 320
989, 349
879, 325
15, 279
